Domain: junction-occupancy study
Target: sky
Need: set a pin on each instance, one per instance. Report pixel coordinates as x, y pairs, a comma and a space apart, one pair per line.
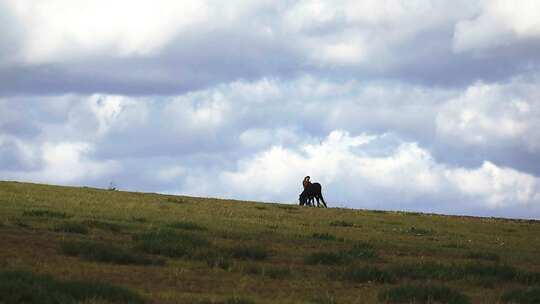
411, 105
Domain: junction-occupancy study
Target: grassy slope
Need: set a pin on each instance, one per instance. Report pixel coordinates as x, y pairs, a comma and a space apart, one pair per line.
29, 242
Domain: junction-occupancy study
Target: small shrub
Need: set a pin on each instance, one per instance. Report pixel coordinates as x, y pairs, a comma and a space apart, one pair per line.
249, 253
252, 269
528, 278
427, 270
213, 258
324, 258
455, 246
187, 226
103, 225
238, 300
496, 271
324, 299
522, 296
422, 294
341, 224
26, 287
362, 251
139, 219
359, 251
176, 200
71, 227
169, 243
362, 274
276, 272
420, 231
45, 213
106, 253
287, 207
260, 208
324, 236
488, 256
20, 223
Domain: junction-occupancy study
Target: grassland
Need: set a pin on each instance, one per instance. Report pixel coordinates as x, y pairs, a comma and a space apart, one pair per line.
85, 245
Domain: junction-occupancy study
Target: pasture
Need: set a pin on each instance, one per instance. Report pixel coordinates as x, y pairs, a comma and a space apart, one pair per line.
86, 245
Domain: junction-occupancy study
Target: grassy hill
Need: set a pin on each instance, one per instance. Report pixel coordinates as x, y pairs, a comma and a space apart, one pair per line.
85, 245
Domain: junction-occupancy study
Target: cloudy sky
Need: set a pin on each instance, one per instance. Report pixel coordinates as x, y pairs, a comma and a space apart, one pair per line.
424, 105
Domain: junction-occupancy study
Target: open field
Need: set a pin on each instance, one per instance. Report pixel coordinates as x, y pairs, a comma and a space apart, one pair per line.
85, 245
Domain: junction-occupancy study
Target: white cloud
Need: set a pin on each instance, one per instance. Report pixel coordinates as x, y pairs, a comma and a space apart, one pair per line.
496, 187
58, 30
204, 111
500, 23
261, 137
66, 163
350, 172
494, 114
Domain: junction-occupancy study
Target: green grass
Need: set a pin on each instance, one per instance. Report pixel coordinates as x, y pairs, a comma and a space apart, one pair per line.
106, 253
244, 252
71, 227
45, 213
423, 294
169, 243
359, 251
480, 255
341, 223
187, 226
522, 296
324, 258
29, 288
102, 225
363, 274
324, 236
179, 249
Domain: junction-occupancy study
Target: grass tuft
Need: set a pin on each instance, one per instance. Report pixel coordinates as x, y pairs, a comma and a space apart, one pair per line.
420, 231
26, 287
187, 226
522, 296
106, 226
176, 200
422, 294
249, 252
427, 270
480, 255
238, 300
277, 272
324, 299
169, 243
71, 227
44, 213
324, 258
359, 251
363, 274
325, 236
362, 251
341, 224
213, 258
287, 207
106, 253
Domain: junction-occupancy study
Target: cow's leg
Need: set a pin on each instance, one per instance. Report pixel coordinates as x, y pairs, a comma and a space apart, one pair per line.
322, 199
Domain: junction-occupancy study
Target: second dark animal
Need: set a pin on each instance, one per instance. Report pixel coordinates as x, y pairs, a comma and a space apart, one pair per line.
312, 191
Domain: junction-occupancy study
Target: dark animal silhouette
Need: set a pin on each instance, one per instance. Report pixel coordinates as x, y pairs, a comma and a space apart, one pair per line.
312, 191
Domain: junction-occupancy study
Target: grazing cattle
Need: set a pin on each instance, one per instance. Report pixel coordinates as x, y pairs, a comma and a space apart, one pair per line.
312, 191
